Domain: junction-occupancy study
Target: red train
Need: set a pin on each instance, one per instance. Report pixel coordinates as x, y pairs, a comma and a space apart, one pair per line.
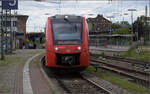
67, 42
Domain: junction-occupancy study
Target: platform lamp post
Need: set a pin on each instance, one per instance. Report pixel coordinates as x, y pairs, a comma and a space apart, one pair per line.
132, 10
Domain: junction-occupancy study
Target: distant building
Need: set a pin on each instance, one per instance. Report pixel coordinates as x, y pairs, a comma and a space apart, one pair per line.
14, 26
98, 25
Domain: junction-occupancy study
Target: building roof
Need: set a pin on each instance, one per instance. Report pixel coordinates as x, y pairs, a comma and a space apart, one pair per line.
98, 17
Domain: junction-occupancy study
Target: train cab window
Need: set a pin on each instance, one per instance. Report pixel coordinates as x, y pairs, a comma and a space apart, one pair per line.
67, 33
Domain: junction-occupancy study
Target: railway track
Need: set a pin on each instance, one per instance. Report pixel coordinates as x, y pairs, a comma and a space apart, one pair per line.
75, 83
78, 84
131, 61
120, 67
138, 76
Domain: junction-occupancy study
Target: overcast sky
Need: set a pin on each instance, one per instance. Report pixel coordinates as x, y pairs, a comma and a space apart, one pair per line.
39, 11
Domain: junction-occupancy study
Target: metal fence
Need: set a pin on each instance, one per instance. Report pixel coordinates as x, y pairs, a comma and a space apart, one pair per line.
7, 35
104, 40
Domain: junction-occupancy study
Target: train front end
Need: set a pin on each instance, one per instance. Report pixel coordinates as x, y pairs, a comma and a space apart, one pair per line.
67, 42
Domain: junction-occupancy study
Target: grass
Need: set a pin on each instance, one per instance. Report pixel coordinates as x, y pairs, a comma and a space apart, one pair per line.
9, 59
90, 69
5, 91
133, 53
129, 86
119, 81
6, 61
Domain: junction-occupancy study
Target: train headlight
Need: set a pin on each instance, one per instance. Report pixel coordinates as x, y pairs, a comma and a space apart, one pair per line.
56, 48
66, 17
79, 48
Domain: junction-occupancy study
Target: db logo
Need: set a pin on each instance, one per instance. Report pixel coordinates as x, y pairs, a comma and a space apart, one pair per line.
12, 3
68, 51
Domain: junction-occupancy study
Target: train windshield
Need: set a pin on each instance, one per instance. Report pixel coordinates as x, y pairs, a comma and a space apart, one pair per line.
67, 33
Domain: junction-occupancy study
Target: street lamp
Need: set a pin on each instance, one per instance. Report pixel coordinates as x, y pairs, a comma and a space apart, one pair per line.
132, 10
47, 14
124, 15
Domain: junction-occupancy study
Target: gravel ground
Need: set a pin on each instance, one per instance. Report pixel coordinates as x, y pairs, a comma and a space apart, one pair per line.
11, 77
127, 65
109, 53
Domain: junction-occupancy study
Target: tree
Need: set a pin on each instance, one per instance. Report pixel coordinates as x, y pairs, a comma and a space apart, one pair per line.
141, 27
123, 30
115, 26
125, 24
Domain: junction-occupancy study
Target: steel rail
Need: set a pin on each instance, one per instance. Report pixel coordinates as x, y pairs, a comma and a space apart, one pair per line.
94, 83
120, 71
133, 61
119, 67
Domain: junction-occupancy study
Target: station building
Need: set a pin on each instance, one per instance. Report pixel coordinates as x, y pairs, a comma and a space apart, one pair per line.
98, 25
14, 30
100, 33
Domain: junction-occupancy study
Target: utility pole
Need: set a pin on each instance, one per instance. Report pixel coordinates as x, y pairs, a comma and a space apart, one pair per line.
146, 29
124, 15
149, 8
60, 7
146, 11
110, 29
132, 18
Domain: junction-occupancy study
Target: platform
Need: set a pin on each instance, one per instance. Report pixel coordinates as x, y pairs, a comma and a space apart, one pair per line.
20, 74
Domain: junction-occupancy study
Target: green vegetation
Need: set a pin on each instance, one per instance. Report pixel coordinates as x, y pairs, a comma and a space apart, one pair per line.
102, 53
122, 30
34, 42
14, 58
90, 26
7, 60
139, 54
141, 24
5, 91
119, 81
91, 69
131, 87
115, 26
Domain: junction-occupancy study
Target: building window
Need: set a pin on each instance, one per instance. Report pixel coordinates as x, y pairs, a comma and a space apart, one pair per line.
14, 23
6, 23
